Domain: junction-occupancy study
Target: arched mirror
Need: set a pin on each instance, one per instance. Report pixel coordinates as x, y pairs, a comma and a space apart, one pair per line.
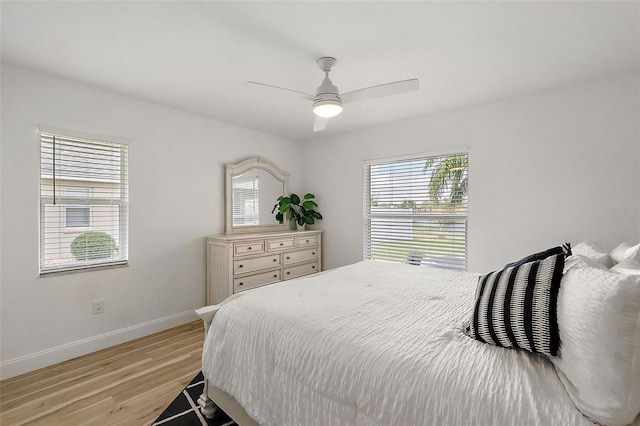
252, 188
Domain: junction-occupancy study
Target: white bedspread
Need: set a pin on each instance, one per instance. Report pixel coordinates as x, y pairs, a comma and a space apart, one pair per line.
375, 344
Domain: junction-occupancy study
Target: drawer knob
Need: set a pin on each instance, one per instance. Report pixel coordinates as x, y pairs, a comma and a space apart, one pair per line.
307, 240
288, 258
241, 283
249, 248
281, 244
240, 266
313, 252
288, 273
313, 267
275, 275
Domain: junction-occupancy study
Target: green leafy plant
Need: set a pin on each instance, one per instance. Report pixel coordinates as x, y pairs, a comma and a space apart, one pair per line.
93, 245
303, 211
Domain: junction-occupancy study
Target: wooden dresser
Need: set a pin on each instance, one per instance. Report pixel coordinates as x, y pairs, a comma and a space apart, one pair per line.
239, 262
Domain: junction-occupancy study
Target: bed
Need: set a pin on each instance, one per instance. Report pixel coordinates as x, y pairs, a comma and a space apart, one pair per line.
376, 343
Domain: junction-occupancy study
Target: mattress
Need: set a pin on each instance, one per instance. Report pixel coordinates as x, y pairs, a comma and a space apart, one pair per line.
375, 343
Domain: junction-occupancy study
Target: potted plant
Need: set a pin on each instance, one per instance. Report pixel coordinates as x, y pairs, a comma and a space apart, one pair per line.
303, 211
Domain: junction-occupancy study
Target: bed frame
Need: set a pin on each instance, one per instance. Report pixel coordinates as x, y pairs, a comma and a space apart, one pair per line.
212, 397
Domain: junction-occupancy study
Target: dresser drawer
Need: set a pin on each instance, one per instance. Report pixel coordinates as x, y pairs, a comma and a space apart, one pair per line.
280, 244
307, 241
253, 281
298, 271
249, 247
243, 266
299, 256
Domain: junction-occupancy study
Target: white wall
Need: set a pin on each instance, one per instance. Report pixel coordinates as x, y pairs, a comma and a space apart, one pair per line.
543, 169
176, 198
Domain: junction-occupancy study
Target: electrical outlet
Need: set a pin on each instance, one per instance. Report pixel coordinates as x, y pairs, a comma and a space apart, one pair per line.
98, 306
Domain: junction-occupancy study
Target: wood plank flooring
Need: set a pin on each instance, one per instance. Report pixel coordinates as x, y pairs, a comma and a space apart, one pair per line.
128, 384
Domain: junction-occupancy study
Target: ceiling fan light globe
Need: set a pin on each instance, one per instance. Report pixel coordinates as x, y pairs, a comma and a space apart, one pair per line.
327, 109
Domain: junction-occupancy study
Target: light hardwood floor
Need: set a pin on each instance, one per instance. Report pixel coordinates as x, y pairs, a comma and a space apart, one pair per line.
128, 384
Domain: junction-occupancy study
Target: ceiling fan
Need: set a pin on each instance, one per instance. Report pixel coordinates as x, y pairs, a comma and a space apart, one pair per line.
328, 101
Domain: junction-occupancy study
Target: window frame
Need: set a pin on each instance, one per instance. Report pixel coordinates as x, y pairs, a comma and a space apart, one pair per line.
368, 215
121, 259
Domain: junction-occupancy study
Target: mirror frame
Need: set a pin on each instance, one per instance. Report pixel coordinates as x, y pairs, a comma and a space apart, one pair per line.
235, 169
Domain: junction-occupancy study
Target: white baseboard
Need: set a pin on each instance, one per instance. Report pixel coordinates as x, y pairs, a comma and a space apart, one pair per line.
47, 357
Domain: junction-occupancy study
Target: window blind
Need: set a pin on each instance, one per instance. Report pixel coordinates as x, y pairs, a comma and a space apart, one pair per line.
246, 200
415, 210
83, 203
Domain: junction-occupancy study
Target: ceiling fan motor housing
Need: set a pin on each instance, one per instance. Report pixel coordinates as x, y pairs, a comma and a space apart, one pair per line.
327, 91
327, 102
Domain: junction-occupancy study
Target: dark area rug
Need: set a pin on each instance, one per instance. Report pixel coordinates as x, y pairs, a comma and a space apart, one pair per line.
184, 410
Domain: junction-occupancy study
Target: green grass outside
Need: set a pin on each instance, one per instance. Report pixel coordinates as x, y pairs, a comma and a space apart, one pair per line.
430, 240
402, 248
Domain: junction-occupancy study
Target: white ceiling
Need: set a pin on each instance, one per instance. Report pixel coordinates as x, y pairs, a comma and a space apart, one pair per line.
198, 55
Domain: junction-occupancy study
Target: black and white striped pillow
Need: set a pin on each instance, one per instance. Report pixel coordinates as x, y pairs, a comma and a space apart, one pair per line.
516, 307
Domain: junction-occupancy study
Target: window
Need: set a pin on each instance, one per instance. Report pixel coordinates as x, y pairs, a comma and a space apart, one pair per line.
415, 210
77, 216
83, 204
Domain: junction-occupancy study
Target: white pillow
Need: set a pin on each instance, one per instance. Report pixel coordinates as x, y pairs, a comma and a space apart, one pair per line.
628, 266
577, 261
634, 252
626, 250
591, 250
599, 357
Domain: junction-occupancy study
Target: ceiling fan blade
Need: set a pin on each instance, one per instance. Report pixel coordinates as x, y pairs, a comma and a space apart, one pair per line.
320, 123
380, 91
302, 94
